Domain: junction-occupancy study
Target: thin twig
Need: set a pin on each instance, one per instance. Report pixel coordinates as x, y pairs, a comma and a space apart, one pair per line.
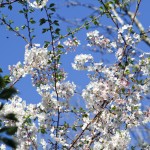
28, 24
11, 29
138, 5
78, 137
8, 3
55, 74
74, 31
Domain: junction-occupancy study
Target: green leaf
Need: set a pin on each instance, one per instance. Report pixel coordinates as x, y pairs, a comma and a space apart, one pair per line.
43, 131
23, 27
74, 128
6, 79
10, 7
53, 9
123, 90
42, 21
127, 72
46, 43
60, 46
7, 93
9, 130
101, 9
51, 5
32, 21
56, 22
2, 83
44, 30
28, 120
57, 31
9, 142
85, 115
1, 107
17, 28
11, 116
33, 36
113, 108
20, 11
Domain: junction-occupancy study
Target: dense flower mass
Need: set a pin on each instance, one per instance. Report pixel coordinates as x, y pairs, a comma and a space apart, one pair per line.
96, 39
36, 60
112, 93
115, 143
71, 44
36, 57
70, 115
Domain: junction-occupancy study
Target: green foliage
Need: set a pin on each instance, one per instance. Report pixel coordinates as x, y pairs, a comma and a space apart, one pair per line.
9, 130
6, 92
42, 21
9, 142
11, 116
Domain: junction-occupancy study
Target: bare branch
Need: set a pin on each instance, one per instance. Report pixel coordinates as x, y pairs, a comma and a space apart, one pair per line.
8, 3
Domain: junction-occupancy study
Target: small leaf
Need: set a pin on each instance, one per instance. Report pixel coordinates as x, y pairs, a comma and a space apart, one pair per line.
44, 30
46, 43
32, 21
10, 7
57, 31
6, 79
2, 83
56, 22
52, 9
17, 28
74, 128
51, 5
23, 27
20, 11
60, 46
42, 21
43, 131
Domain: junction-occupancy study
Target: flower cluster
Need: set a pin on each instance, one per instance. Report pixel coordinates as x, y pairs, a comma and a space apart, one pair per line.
66, 89
17, 71
115, 142
125, 35
36, 57
95, 39
38, 4
26, 133
99, 93
71, 43
81, 60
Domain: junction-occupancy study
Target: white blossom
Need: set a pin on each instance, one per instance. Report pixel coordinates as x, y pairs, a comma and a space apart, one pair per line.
81, 60
38, 4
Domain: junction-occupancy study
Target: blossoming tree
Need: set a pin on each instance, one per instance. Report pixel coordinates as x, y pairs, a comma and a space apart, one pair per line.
111, 101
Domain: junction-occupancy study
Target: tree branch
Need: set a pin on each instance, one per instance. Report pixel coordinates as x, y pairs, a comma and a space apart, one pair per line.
8, 3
